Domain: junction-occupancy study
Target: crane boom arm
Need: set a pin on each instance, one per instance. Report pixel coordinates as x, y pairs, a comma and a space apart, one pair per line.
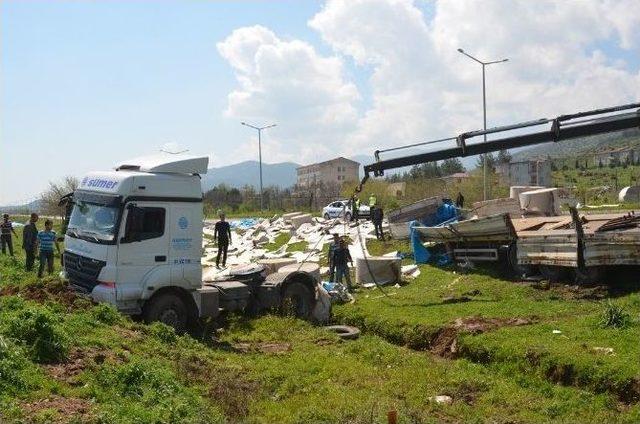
565, 127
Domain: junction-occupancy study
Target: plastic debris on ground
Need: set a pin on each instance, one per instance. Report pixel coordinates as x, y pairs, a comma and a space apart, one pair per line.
337, 291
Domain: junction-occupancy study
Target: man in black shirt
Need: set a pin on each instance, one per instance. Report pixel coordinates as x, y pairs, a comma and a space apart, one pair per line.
222, 233
6, 228
341, 256
376, 218
29, 239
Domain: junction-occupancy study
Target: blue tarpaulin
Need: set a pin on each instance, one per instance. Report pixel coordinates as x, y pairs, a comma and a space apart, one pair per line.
446, 214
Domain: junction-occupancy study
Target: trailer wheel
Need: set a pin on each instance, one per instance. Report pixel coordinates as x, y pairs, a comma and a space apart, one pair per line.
589, 275
297, 300
169, 309
514, 269
554, 273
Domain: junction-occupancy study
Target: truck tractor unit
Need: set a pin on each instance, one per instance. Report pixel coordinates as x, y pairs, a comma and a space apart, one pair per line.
134, 240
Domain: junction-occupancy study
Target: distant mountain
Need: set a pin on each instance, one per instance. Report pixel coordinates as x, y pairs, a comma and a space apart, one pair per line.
248, 173
581, 146
33, 206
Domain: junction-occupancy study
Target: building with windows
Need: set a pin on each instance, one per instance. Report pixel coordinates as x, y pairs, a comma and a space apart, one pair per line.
527, 173
334, 171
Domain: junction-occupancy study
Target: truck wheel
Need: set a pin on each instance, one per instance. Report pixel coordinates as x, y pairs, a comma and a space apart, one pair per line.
554, 273
298, 300
169, 309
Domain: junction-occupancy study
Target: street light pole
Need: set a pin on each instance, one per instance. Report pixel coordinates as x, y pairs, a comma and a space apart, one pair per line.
259, 129
484, 114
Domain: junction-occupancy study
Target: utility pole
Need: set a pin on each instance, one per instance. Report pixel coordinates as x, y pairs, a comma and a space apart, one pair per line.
259, 129
484, 114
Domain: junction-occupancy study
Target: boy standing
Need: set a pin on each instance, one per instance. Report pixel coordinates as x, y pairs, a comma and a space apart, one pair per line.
6, 228
46, 240
341, 256
30, 240
222, 233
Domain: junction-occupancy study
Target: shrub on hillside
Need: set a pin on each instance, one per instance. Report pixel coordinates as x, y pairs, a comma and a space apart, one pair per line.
38, 330
106, 314
12, 362
614, 316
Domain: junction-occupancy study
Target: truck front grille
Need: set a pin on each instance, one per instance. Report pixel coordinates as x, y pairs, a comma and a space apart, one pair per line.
82, 271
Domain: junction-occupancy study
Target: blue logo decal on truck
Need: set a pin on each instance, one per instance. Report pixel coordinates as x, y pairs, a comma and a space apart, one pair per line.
183, 223
99, 183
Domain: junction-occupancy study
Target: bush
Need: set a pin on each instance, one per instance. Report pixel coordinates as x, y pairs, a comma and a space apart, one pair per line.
12, 361
614, 316
38, 330
163, 332
106, 314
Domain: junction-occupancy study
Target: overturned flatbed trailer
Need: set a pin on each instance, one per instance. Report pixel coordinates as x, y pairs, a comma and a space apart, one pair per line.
560, 247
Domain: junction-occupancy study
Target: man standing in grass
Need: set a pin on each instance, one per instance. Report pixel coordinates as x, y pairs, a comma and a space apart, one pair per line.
341, 256
6, 228
30, 240
222, 233
46, 240
332, 248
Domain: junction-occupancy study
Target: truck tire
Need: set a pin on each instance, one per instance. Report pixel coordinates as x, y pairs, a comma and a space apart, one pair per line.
297, 300
345, 332
554, 273
169, 309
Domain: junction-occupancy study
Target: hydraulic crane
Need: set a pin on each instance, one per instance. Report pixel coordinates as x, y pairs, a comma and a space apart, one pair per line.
562, 128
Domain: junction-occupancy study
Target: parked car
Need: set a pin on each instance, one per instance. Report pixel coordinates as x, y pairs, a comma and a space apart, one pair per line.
342, 208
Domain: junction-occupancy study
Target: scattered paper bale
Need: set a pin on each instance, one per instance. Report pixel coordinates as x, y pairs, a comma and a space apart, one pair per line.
385, 270
498, 206
298, 220
629, 194
514, 191
274, 264
308, 267
543, 202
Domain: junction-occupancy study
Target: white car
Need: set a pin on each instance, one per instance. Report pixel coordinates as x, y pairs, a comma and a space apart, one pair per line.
342, 208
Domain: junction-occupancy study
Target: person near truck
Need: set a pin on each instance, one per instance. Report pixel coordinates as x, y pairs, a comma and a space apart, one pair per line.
46, 241
372, 200
341, 258
6, 228
332, 247
376, 217
222, 233
30, 241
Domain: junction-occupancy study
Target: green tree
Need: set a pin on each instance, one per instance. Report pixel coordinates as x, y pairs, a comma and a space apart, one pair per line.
451, 166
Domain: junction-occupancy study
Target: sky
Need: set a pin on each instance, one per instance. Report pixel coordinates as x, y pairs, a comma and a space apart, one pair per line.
87, 84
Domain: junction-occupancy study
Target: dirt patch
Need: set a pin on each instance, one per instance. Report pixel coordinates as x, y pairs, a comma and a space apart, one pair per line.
63, 410
630, 393
47, 292
573, 292
270, 348
477, 325
231, 388
77, 361
445, 341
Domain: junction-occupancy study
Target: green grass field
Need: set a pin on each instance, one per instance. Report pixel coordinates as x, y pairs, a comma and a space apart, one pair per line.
63, 359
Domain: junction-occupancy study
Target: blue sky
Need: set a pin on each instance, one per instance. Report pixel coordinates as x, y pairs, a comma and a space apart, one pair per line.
87, 84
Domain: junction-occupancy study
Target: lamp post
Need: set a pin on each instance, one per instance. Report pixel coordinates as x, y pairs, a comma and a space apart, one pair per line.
259, 129
484, 114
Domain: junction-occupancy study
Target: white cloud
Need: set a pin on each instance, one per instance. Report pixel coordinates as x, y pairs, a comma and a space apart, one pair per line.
420, 86
290, 83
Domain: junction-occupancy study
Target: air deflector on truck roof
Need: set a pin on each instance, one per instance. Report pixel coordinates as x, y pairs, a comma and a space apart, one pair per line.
167, 163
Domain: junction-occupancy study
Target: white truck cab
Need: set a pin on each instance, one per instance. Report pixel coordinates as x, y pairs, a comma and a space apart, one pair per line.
134, 239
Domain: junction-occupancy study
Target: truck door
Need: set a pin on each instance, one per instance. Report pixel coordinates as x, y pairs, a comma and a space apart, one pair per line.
143, 249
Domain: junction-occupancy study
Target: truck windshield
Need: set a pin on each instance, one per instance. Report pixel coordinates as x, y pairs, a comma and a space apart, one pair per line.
93, 222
